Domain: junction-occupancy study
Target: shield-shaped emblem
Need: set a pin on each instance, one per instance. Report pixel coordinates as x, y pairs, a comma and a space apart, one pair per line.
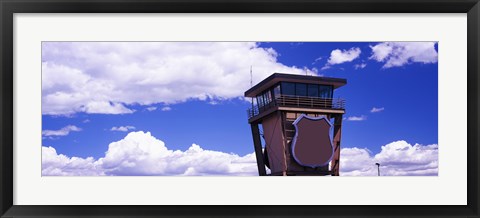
312, 145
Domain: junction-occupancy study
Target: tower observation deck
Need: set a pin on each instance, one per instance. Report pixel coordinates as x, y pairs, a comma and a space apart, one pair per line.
278, 103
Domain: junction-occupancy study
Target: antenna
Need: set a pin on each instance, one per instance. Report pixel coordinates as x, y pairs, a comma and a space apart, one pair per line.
251, 76
251, 81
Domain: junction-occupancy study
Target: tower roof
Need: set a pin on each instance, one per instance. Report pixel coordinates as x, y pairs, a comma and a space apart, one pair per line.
281, 77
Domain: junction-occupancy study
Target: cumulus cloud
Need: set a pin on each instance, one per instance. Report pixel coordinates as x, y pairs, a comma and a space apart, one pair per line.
360, 66
151, 108
140, 153
376, 110
356, 162
122, 128
61, 132
396, 54
357, 118
54, 164
105, 107
166, 108
398, 158
338, 56
110, 77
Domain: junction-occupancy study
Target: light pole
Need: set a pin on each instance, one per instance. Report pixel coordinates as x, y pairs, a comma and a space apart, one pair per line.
378, 167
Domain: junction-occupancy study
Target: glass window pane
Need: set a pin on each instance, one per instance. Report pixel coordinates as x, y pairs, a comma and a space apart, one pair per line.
301, 89
288, 88
312, 90
326, 91
268, 97
276, 91
260, 100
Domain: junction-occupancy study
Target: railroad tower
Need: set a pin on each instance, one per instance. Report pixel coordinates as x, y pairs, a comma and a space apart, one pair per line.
301, 123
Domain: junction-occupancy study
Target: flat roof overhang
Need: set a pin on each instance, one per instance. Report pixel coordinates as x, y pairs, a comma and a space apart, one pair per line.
281, 77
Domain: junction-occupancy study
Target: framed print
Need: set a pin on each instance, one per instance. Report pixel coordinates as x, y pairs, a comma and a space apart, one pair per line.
245, 108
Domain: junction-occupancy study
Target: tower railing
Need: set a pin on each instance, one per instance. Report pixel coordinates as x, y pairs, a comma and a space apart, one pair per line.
298, 101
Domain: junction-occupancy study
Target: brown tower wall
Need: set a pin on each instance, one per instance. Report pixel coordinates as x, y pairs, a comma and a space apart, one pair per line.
273, 135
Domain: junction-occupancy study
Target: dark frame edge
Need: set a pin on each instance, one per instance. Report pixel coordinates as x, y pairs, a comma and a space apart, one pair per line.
473, 69
7, 209
6, 113
241, 6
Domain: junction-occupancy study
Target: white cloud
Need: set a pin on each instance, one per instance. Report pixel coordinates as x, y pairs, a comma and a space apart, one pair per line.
140, 153
122, 128
317, 60
360, 66
54, 164
105, 107
398, 158
396, 54
325, 67
338, 56
357, 118
166, 108
86, 121
356, 162
296, 44
61, 132
151, 108
109, 77
376, 110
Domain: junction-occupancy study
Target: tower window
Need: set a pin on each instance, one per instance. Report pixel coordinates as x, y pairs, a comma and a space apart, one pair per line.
276, 91
288, 88
301, 89
326, 92
312, 90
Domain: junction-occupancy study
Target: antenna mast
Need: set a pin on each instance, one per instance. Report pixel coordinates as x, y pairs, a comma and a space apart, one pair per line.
251, 81
251, 76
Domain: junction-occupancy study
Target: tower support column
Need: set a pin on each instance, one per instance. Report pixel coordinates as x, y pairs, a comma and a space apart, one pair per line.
337, 135
257, 143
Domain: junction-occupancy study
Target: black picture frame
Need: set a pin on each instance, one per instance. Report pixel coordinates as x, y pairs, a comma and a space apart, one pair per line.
9, 7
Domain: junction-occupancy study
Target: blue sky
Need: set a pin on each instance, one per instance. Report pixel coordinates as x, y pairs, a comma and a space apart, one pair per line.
95, 94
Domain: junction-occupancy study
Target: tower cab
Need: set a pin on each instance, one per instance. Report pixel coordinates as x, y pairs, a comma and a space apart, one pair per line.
279, 102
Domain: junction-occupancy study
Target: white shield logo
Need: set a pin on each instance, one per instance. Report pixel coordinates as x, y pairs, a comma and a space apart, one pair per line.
312, 145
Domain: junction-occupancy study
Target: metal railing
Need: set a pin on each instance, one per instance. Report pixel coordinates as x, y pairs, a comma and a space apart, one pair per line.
298, 101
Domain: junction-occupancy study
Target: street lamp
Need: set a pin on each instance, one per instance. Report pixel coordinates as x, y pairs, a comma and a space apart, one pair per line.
378, 167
